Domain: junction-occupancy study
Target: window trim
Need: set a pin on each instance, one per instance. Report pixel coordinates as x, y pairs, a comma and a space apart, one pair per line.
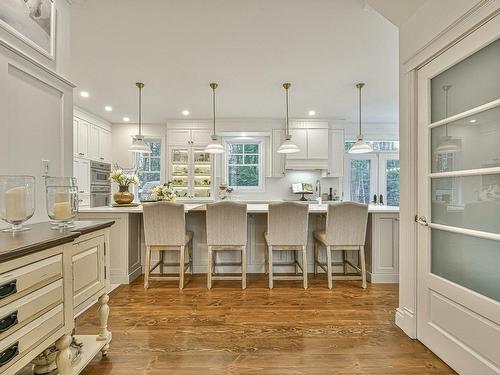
261, 164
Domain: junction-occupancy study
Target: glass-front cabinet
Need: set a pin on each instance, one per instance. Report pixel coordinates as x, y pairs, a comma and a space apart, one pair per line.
191, 172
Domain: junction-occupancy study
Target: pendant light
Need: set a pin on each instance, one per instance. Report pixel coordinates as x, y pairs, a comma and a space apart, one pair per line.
360, 147
214, 147
447, 145
138, 144
287, 147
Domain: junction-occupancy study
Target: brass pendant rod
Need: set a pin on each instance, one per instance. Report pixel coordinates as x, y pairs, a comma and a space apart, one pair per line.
140, 85
287, 125
213, 86
360, 86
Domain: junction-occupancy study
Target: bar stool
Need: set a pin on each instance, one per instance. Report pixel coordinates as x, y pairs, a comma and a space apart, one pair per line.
287, 225
165, 230
345, 231
226, 231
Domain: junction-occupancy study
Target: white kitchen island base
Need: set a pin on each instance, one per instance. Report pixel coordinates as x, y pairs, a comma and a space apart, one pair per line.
127, 243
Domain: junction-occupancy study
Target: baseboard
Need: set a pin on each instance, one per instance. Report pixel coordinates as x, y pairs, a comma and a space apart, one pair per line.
382, 278
406, 320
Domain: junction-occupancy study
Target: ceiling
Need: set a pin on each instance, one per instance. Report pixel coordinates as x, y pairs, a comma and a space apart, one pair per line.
177, 47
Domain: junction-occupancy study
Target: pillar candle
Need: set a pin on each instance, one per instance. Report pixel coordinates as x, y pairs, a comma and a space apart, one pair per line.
62, 211
15, 204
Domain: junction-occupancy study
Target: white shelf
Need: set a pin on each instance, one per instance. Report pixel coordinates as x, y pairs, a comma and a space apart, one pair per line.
91, 347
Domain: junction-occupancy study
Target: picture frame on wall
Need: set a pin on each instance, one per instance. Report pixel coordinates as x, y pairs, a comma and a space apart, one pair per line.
32, 22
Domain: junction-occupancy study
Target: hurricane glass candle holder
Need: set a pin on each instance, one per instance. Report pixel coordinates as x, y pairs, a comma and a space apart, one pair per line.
17, 201
62, 205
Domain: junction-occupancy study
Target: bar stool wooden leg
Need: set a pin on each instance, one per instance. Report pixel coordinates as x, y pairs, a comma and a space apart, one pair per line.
344, 262
315, 262
304, 265
363, 265
190, 251
209, 273
161, 261
147, 267
295, 261
243, 267
181, 267
329, 266
270, 265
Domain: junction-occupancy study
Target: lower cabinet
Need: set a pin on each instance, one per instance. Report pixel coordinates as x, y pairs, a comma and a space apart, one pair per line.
42, 293
382, 248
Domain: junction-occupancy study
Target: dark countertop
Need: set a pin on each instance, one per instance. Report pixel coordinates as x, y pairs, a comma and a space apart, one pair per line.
41, 237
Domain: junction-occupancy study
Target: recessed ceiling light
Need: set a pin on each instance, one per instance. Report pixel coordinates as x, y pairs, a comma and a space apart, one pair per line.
312, 113
185, 112
108, 108
126, 119
84, 94
473, 121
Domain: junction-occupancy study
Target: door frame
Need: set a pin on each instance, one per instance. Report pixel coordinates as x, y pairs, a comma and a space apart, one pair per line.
476, 18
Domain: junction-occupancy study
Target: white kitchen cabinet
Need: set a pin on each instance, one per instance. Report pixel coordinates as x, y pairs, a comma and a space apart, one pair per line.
382, 248
81, 138
81, 170
335, 153
299, 137
94, 142
313, 144
277, 159
104, 145
183, 137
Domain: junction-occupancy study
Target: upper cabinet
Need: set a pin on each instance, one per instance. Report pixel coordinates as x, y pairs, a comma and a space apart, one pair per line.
321, 148
193, 137
81, 138
91, 141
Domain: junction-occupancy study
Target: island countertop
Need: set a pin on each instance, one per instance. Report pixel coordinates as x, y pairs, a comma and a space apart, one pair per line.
251, 208
41, 237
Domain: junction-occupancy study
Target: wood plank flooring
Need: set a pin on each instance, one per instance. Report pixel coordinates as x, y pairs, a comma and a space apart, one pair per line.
287, 330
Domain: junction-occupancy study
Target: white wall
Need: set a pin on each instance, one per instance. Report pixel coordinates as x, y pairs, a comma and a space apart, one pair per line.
36, 104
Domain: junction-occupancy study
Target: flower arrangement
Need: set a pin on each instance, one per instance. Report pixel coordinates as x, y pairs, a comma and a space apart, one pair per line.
123, 179
165, 192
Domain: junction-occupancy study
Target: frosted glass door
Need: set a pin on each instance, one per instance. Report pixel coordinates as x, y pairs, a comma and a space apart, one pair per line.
459, 205
202, 174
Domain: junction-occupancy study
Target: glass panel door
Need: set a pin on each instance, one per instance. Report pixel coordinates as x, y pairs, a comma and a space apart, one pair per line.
458, 306
179, 170
202, 174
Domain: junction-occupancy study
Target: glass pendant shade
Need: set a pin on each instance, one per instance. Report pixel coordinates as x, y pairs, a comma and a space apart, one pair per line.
139, 146
214, 147
447, 146
288, 147
360, 147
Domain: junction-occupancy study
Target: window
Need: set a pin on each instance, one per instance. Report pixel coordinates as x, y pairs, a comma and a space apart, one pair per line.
148, 167
375, 173
244, 165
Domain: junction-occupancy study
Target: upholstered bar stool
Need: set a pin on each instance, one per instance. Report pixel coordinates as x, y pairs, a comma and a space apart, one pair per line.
287, 231
226, 231
345, 231
165, 230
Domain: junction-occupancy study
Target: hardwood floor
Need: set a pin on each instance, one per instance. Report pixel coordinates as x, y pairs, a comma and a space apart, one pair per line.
287, 330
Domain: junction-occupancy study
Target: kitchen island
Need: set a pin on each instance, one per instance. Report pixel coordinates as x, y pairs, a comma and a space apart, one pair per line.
127, 241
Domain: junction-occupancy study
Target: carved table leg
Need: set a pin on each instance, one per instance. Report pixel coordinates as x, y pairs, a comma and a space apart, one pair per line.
104, 334
64, 356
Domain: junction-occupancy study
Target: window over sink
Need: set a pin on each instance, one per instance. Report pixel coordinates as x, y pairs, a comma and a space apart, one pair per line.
243, 164
148, 167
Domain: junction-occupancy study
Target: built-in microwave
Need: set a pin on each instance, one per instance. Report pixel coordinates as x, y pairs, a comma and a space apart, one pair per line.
99, 173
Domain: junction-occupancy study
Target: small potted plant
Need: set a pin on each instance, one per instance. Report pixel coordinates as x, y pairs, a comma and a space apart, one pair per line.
124, 180
165, 192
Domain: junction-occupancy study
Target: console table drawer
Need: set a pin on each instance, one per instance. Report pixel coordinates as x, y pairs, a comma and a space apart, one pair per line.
16, 345
18, 282
23, 310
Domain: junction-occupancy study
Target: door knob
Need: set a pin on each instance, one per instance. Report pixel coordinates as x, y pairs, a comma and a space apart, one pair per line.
422, 220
